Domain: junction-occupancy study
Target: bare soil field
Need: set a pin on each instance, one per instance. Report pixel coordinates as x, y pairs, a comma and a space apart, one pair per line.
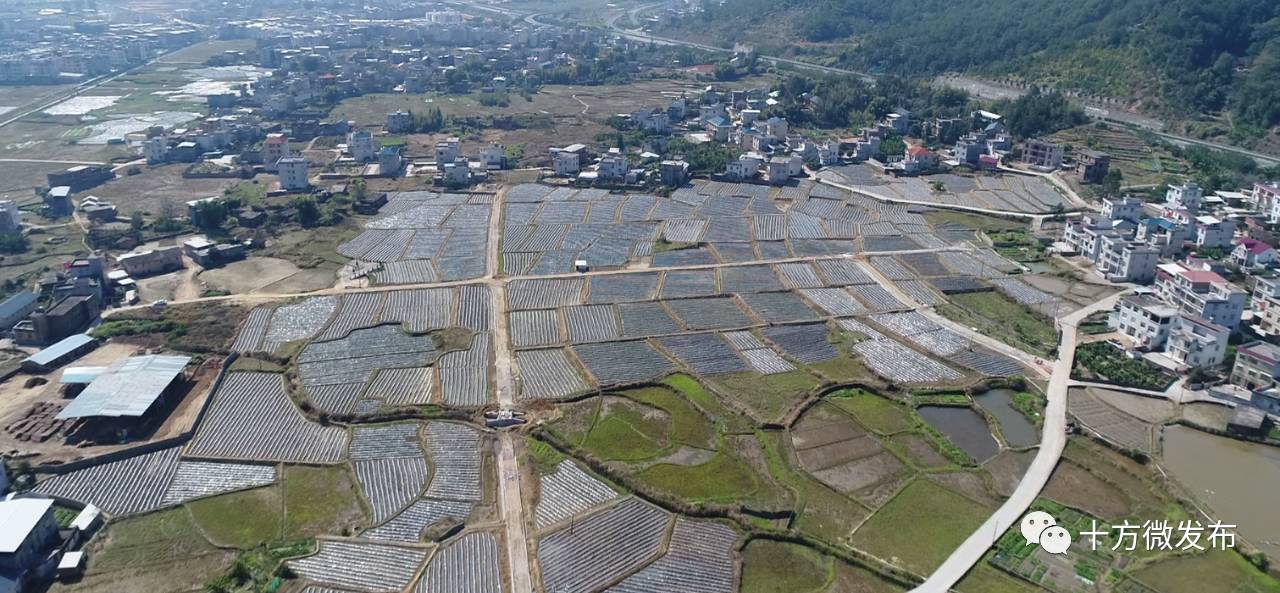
147, 191
1074, 486
249, 275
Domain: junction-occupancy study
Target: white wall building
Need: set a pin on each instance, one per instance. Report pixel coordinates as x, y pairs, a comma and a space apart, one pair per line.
361, 146
293, 173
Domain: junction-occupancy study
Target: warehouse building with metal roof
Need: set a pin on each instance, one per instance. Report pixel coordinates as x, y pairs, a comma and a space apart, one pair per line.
127, 389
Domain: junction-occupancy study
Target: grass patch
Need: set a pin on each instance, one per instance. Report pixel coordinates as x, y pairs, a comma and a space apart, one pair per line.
984, 578
320, 500
313, 248
241, 519
688, 425
161, 551
723, 479
1216, 571
1000, 317
691, 389
986, 224
873, 411
770, 397
249, 363
188, 327
845, 369
451, 338
778, 567
544, 456
617, 439
921, 526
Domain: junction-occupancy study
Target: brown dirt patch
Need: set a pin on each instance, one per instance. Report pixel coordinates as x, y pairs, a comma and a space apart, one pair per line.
969, 484
861, 473
830, 455
1074, 486
920, 451
1007, 469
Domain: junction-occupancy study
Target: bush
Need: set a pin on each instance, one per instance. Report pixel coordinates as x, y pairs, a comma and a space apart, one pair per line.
1113, 366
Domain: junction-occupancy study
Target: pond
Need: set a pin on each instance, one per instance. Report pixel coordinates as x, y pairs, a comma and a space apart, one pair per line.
964, 427
1238, 480
1018, 431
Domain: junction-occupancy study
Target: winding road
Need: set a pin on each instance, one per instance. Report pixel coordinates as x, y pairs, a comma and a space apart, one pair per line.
1053, 441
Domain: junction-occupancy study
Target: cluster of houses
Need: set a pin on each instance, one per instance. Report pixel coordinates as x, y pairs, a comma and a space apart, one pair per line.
1183, 251
72, 43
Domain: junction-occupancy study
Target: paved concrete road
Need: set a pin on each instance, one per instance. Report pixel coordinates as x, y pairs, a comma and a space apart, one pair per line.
1052, 442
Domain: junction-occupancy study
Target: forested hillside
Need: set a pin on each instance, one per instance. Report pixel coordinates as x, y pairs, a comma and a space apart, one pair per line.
1179, 57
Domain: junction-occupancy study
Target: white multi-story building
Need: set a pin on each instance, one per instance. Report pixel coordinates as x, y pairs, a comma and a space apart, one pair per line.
293, 173
1201, 293
1126, 208
743, 168
399, 122
155, 150
361, 146
456, 173
613, 167
1145, 319
1196, 343
1266, 199
1213, 232
389, 161
1187, 196
566, 164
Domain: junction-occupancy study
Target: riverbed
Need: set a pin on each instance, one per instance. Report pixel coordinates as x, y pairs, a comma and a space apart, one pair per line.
1238, 480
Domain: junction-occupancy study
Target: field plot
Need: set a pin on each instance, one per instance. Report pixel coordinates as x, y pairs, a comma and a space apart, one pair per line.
1021, 292
806, 343
390, 466
536, 327
841, 454
253, 331
475, 309
778, 307
470, 564
199, 479
799, 275
422, 309
544, 293
699, 559
688, 283
592, 323
362, 566
616, 363
124, 487
297, 322
464, 374
548, 374
602, 547
251, 418
358, 310
896, 362
709, 313
706, 354
421, 236
646, 319
936, 339
1114, 425
706, 223
1011, 193
567, 492
409, 525
921, 292
622, 288
402, 387
454, 452
352, 361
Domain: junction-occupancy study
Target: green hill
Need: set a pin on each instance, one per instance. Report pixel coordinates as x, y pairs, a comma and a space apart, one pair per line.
1172, 57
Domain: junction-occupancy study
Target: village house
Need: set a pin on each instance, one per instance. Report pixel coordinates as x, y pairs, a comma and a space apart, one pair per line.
1252, 253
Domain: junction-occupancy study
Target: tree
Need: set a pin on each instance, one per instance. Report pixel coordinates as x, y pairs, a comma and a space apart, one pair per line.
13, 242
210, 214
135, 221
357, 189
308, 211
1111, 183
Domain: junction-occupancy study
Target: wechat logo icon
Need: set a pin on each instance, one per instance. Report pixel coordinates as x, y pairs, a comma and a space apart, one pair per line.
1039, 527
